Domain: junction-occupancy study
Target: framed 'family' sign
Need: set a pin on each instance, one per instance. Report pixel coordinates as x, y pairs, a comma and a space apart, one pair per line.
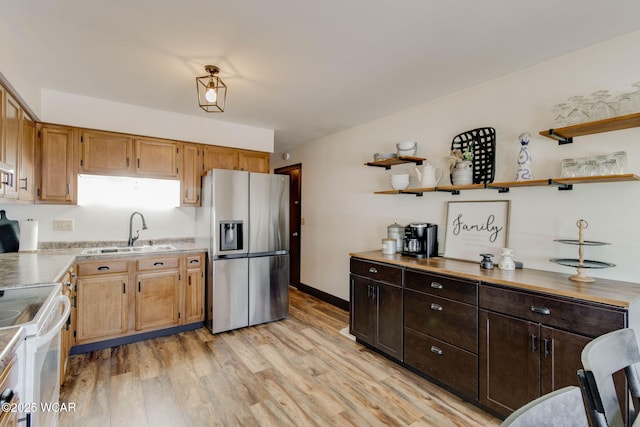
475, 228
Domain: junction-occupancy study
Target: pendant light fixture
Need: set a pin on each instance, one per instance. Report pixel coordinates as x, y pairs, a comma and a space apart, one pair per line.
212, 92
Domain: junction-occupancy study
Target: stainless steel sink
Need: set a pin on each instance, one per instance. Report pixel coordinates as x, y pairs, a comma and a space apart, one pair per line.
128, 249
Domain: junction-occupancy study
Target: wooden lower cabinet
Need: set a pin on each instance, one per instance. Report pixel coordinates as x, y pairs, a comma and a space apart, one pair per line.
376, 309
103, 307
9, 381
157, 300
67, 339
194, 289
122, 297
531, 344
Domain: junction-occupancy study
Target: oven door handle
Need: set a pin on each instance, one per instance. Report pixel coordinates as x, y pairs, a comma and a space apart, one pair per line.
55, 330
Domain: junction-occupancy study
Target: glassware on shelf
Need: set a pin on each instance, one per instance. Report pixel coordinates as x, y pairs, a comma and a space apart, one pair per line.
577, 114
620, 158
560, 114
601, 109
607, 167
635, 98
587, 167
568, 168
625, 104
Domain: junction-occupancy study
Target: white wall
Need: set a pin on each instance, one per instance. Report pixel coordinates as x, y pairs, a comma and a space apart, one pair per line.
94, 113
343, 215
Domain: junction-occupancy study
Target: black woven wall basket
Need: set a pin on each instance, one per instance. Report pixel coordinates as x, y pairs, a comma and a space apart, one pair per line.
483, 146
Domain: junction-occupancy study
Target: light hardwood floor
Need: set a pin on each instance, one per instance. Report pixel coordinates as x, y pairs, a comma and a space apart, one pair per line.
297, 372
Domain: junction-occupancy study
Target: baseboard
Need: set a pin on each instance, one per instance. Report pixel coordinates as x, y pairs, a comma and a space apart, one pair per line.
85, 348
328, 298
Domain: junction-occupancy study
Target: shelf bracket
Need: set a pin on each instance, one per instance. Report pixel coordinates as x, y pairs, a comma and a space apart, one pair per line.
562, 140
500, 189
561, 186
417, 193
453, 192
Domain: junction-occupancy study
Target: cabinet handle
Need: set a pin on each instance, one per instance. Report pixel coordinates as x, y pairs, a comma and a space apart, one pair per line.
103, 268
540, 310
436, 285
138, 286
124, 288
127, 162
436, 307
436, 350
533, 343
68, 189
138, 163
373, 270
26, 183
194, 261
158, 264
189, 280
546, 347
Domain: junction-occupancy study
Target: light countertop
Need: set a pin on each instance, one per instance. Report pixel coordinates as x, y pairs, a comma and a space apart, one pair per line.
46, 266
605, 291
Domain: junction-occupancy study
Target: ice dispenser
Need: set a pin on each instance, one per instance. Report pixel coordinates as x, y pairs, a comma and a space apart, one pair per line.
230, 235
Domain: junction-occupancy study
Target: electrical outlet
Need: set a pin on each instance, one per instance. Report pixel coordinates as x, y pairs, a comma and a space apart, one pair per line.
63, 225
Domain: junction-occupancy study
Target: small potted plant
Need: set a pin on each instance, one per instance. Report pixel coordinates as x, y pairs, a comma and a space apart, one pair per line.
461, 166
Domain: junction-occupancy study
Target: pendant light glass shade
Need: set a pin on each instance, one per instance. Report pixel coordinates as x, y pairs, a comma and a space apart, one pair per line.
212, 92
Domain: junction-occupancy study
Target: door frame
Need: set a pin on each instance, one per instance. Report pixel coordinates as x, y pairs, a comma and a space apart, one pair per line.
295, 221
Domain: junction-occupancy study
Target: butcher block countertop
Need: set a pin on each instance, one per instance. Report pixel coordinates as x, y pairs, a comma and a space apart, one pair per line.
604, 291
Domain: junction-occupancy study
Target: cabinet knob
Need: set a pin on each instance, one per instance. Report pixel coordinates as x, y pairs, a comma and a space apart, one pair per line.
436, 285
373, 270
436, 350
436, 307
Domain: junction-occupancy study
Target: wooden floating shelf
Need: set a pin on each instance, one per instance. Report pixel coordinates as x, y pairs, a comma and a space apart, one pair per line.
387, 163
503, 187
597, 179
565, 135
511, 184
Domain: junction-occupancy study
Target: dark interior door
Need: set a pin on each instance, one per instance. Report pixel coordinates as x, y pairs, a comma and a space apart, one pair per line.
295, 212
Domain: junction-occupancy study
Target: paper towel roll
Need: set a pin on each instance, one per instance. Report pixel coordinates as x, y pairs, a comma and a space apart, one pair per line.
28, 235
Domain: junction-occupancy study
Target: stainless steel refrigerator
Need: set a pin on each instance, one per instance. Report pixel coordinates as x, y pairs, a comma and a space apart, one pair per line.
244, 223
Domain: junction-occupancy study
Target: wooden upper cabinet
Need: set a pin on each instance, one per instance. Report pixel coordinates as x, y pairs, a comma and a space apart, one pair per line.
105, 153
190, 174
11, 146
253, 161
219, 158
56, 155
156, 158
27, 160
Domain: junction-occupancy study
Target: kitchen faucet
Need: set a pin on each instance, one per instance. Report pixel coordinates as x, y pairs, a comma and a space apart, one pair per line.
144, 227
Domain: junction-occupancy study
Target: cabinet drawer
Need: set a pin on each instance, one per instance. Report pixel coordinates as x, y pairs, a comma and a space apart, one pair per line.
448, 364
194, 261
581, 318
442, 286
450, 321
157, 263
375, 271
102, 267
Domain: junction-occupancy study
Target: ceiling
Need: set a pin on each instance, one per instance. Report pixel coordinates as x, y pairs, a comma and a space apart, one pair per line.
305, 68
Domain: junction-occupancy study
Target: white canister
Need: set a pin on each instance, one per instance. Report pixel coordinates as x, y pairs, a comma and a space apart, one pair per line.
506, 263
389, 246
396, 231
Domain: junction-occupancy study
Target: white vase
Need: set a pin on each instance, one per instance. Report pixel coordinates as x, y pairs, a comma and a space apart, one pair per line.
524, 159
462, 173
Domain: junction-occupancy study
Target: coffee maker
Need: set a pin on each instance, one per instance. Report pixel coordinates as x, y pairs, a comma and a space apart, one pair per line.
420, 240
